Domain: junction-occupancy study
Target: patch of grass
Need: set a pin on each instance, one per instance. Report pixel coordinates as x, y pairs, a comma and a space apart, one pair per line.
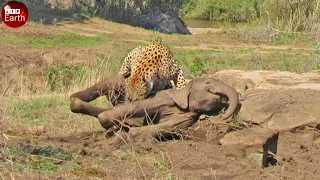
285, 38
158, 164
61, 76
74, 166
52, 151
195, 61
112, 64
47, 158
17, 154
60, 40
120, 154
32, 110
42, 158
169, 176
292, 63
227, 60
42, 163
197, 66
142, 44
38, 103
238, 121
292, 38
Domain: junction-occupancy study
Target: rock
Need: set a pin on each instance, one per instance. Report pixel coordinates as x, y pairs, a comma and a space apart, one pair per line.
254, 143
282, 110
276, 99
269, 80
165, 22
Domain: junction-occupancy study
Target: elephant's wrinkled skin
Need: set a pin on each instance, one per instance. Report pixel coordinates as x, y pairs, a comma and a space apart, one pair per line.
168, 110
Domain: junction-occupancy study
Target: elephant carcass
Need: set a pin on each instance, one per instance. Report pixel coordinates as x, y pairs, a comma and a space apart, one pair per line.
173, 109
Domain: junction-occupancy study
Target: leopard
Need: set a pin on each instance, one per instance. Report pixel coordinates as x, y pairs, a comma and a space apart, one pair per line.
149, 69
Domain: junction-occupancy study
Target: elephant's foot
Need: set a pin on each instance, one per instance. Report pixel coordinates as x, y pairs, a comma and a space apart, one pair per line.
76, 105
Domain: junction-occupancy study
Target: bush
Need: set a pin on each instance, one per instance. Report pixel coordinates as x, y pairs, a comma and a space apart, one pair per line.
229, 10
292, 15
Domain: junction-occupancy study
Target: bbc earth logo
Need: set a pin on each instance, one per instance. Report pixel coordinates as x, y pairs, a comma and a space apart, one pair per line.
14, 14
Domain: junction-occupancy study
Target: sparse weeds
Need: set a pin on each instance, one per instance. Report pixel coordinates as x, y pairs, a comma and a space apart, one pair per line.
43, 163
32, 110
43, 158
169, 176
195, 62
278, 61
314, 60
285, 38
291, 38
61, 76
238, 121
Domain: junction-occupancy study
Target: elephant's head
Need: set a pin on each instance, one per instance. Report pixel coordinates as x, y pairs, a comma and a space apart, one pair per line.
204, 95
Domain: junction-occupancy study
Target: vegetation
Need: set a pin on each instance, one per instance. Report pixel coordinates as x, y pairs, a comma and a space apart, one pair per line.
43, 64
41, 158
285, 15
292, 15
225, 10
59, 40
61, 76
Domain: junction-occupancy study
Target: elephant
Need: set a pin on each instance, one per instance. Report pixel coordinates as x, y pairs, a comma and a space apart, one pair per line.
168, 111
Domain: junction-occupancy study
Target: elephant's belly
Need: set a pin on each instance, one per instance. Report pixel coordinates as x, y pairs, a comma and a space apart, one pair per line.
175, 115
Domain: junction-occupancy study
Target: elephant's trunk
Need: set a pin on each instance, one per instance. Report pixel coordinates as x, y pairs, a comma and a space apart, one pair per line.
233, 97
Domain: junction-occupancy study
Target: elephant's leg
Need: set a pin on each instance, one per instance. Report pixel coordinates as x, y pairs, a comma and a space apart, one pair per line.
112, 87
174, 124
79, 106
139, 109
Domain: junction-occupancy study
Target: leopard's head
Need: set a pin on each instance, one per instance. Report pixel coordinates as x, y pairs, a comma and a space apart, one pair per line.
136, 88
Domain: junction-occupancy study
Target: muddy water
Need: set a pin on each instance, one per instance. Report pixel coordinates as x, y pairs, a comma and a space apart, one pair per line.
195, 23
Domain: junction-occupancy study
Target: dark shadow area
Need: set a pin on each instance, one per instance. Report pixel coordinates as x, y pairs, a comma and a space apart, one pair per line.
47, 15
270, 148
43, 13
156, 15
168, 136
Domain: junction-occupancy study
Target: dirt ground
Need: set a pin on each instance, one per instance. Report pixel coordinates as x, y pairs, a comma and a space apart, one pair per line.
198, 158
57, 144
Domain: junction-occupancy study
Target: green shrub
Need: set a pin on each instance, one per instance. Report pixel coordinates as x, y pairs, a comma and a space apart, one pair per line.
197, 66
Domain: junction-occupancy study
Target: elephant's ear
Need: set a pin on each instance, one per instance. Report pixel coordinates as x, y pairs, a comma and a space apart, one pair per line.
181, 96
